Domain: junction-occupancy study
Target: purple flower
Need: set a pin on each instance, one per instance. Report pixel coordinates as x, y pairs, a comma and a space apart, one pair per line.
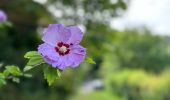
61, 48
3, 16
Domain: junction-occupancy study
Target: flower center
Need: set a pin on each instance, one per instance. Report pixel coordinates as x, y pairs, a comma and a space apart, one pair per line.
62, 48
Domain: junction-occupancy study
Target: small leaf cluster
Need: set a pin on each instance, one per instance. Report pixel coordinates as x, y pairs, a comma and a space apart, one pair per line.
10, 72
35, 59
50, 74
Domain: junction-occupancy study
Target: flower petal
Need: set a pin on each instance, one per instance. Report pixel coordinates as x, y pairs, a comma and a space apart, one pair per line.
60, 63
48, 60
77, 55
73, 59
48, 52
56, 33
76, 35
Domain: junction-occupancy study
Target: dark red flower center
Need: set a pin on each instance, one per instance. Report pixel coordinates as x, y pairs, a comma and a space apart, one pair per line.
62, 48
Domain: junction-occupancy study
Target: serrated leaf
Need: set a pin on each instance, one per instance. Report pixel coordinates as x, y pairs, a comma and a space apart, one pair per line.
35, 61
31, 54
14, 70
90, 60
50, 74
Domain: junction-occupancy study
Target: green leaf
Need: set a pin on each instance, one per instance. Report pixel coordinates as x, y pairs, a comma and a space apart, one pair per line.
58, 73
90, 60
35, 61
2, 79
7, 23
50, 74
27, 75
2, 82
6, 73
31, 54
2, 76
27, 68
15, 79
14, 70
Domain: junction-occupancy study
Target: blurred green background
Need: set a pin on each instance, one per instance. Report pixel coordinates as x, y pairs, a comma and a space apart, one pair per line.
132, 64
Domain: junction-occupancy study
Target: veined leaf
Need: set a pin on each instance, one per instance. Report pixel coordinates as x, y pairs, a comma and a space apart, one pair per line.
35, 61
14, 70
31, 54
50, 74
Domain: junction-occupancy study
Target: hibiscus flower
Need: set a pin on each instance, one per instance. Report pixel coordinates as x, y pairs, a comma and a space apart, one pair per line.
61, 48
